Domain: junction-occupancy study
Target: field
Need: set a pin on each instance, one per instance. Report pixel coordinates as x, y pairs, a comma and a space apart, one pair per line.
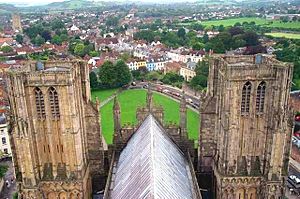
287, 25
258, 21
231, 22
131, 99
286, 35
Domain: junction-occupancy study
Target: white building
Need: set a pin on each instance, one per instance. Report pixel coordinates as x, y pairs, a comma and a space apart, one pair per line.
4, 142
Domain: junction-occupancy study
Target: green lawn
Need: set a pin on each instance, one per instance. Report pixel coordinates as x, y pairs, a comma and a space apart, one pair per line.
131, 99
286, 35
103, 94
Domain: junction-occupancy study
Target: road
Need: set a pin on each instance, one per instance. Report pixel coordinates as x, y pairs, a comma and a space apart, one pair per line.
8, 192
173, 92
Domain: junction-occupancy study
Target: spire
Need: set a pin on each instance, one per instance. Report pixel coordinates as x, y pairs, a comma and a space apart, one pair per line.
97, 103
149, 98
117, 120
183, 115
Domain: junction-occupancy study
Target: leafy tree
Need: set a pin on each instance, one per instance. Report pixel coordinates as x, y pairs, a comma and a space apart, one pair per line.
6, 49
19, 38
123, 73
181, 33
39, 40
114, 75
197, 26
171, 78
93, 80
63, 37
251, 38
56, 40
107, 75
57, 24
198, 46
235, 31
125, 56
46, 34
153, 76
221, 28
112, 21
205, 38
199, 81
33, 31
79, 49
94, 53
140, 73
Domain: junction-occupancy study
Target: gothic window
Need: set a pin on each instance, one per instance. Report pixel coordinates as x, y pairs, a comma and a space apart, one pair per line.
40, 104
260, 97
246, 94
54, 104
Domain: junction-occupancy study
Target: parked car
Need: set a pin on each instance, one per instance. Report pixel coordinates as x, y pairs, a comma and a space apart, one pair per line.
297, 118
296, 141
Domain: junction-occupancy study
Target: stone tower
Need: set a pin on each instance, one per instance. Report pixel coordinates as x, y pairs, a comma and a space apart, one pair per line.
16, 22
55, 130
245, 134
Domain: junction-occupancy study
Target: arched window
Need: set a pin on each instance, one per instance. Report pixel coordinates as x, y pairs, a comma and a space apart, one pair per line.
40, 104
246, 94
260, 97
54, 104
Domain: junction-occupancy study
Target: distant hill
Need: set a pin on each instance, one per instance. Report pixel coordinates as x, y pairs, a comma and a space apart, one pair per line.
7, 8
73, 4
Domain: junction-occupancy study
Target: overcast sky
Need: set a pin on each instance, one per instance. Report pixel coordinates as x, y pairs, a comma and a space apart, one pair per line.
41, 2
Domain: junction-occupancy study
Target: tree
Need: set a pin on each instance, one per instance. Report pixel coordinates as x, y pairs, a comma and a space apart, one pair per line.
6, 49
79, 49
221, 28
123, 73
153, 76
199, 81
251, 38
125, 56
93, 80
205, 38
112, 21
171, 78
114, 75
63, 37
140, 73
94, 53
46, 34
236, 31
19, 38
181, 33
56, 40
57, 24
198, 46
39, 40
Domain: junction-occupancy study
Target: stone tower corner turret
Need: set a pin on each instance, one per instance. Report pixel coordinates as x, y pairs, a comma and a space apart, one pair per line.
183, 116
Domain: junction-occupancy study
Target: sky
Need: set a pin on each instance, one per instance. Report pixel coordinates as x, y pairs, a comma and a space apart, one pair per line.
43, 2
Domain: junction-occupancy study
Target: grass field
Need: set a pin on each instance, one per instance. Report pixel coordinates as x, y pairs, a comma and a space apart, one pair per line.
231, 22
131, 99
287, 25
286, 35
258, 21
103, 94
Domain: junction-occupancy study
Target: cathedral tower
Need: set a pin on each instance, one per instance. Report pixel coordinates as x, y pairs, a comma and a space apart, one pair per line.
55, 130
245, 134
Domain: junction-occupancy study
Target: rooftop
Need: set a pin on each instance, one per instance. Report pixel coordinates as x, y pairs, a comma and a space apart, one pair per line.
152, 166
